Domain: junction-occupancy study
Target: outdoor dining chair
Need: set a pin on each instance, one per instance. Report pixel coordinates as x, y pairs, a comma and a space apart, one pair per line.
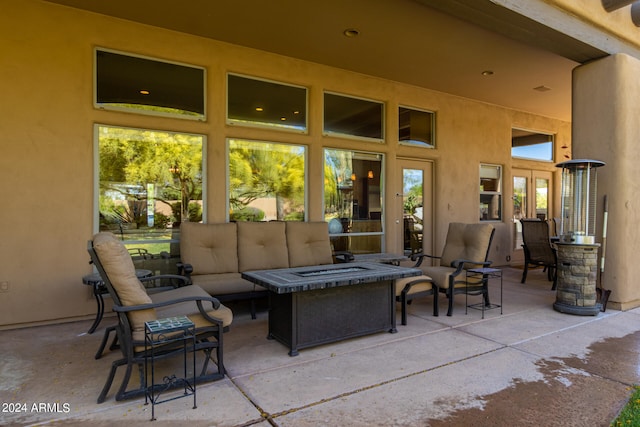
538, 251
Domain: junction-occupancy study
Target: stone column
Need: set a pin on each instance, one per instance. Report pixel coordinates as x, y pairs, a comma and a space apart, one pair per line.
576, 286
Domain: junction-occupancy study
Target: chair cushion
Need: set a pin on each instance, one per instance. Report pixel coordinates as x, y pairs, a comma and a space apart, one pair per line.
189, 309
308, 243
209, 248
423, 284
466, 241
262, 246
121, 273
441, 274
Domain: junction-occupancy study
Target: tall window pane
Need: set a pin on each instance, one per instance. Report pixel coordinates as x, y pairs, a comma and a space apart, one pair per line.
266, 181
490, 193
353, 200
148, 182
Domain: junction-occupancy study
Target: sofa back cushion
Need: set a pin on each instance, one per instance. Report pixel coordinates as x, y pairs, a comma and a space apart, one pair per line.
308, 243
209, 248
466, 241
262, 246
121, 273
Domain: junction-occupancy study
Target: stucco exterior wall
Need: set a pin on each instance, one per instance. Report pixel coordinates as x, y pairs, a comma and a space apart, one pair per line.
606, 127
46, 133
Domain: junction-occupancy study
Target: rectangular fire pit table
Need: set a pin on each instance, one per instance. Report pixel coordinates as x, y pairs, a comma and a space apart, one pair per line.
315, 305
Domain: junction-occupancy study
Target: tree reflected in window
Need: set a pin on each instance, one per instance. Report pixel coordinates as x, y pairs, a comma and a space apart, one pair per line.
149, 181
266, 181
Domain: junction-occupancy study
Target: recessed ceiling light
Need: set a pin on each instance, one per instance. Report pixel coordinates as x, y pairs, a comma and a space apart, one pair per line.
259, 109
351, 32
542, 88
487, 73
144, 92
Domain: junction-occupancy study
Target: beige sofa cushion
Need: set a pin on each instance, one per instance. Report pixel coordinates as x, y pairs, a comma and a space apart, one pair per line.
118, 266
224, 284
308, 243
466, 241
262, 246
209, 248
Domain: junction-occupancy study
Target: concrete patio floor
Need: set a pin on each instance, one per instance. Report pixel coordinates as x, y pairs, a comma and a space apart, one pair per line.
528, 366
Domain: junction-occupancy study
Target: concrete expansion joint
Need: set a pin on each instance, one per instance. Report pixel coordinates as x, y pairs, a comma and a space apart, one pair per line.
271, 417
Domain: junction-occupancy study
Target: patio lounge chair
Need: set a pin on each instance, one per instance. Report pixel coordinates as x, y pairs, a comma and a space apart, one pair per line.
134, 307
537, 249
466, 246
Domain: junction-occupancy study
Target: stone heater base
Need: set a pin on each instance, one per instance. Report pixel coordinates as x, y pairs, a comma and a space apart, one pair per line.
576, 286
574, 309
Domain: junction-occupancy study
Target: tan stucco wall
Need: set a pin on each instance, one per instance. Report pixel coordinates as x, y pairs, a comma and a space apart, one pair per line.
606, 128
47, 121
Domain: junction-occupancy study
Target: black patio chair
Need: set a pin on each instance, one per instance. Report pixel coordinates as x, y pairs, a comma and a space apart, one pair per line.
538, 251
467, 246
134, 307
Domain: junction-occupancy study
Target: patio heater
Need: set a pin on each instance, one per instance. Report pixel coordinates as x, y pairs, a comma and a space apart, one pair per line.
577, 250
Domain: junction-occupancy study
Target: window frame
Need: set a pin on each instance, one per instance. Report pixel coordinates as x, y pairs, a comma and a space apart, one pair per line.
483, 194
228, 177
532, 134
417, 143
96, 177
266, 125
330, 133
375, 156
119, 108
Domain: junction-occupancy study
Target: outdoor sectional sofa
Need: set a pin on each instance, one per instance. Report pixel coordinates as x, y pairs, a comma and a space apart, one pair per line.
214, 255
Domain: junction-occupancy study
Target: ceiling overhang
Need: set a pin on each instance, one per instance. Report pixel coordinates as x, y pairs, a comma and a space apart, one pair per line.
443, 45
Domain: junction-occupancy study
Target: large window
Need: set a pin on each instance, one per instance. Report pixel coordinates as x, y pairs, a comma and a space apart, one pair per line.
353, 200
255, 102
531, 145
148, 182
149, 86
490, 192
266, 181
353, 117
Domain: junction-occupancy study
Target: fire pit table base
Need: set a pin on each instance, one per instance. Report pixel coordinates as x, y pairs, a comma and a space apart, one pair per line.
319, 304
305, 319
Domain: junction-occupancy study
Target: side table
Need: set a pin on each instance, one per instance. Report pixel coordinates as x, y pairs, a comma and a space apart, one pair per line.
484, 274
172, 331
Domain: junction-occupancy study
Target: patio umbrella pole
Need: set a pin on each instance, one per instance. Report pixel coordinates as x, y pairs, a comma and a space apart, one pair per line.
603, 294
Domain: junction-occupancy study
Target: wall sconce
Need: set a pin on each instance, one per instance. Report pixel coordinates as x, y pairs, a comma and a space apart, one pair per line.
370, 174
353, 177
